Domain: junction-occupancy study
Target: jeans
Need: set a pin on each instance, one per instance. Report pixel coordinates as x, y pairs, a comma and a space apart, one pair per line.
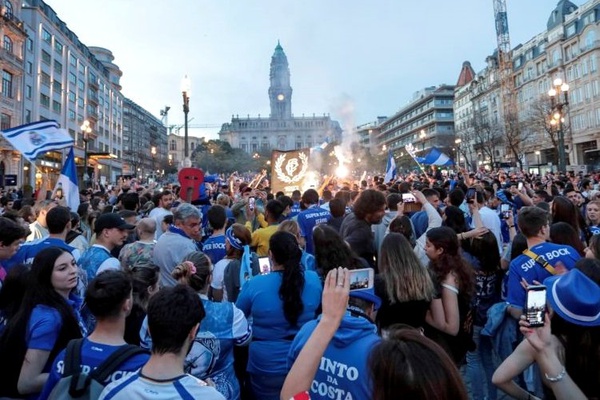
266, 387
481, 367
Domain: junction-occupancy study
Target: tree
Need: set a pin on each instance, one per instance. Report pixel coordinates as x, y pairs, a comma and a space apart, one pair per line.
541, 131
486, 136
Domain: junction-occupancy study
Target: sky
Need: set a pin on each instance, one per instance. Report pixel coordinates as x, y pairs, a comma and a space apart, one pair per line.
352, 59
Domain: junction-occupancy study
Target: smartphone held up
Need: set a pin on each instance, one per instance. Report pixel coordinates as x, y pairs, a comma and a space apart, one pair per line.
535, 307
361, 279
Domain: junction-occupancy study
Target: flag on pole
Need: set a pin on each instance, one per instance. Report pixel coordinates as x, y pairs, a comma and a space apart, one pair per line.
68, 182
38, 138
390, 169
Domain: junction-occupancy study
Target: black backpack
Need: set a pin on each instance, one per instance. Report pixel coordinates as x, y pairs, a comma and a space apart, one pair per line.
75, 384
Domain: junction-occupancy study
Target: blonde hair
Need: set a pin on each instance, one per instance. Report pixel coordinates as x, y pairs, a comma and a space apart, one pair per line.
404, 276
290, 226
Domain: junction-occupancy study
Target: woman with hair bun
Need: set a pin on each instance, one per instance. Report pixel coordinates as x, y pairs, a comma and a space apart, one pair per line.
223, 327
280, 303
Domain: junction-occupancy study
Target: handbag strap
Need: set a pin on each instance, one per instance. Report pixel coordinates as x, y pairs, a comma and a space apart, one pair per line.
540, 261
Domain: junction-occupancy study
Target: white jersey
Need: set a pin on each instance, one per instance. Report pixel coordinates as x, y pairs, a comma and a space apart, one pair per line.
139, 387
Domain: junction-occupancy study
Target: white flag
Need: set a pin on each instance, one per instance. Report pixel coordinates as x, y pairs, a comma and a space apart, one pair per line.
38, 138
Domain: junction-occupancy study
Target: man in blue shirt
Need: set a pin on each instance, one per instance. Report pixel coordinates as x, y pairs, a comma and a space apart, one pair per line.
311, 217
343, 372
108, 297
214, 245
534, 224
58, 220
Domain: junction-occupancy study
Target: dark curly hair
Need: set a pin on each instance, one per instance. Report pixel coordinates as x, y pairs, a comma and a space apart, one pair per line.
286, 252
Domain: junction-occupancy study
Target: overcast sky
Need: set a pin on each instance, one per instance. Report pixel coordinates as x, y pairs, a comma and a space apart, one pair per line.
353, 59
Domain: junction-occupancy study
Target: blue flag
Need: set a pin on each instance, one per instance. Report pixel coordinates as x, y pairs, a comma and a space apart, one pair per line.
38, 138
390, 169
68, 182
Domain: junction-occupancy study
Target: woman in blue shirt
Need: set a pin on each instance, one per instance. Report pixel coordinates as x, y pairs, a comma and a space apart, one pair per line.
47, 320
279, 303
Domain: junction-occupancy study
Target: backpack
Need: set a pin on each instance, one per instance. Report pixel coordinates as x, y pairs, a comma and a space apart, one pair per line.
78, 385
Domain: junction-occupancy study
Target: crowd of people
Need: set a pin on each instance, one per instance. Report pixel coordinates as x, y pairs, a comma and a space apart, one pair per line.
245, 293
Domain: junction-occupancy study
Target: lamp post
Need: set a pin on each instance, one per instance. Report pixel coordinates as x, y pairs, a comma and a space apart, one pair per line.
153, 151
86, 129
558, 103
457, 142
186, 92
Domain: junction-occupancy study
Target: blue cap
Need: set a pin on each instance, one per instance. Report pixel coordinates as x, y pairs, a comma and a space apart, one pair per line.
368, 295
575, 297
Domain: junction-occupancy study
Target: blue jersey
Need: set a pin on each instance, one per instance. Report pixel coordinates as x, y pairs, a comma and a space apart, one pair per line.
214, 248
525, 267
272, 333
294, 210
307, 220
29, 250
595, 230
92, 355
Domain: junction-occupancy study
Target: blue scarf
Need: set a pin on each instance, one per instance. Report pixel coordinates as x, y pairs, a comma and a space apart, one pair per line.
246, 261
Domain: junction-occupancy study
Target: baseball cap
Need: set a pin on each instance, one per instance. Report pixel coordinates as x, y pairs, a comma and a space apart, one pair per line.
574, 297
368, 295
110, 221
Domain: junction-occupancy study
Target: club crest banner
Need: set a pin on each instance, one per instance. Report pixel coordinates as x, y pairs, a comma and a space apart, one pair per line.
288, 169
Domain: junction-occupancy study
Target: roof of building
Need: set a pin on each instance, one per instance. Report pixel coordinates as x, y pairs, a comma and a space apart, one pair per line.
466, 74
557, 17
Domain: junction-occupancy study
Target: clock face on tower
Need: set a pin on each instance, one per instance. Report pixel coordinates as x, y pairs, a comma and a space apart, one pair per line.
280, 97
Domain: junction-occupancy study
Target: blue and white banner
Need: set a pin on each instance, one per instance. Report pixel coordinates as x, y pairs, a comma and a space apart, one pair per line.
435, 157
68, 182
390, 169
37, 138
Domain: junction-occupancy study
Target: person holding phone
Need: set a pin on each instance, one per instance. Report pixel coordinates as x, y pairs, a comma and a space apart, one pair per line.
566, 346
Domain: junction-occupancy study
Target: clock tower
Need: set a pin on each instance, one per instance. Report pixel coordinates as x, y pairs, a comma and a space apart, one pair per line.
280, 91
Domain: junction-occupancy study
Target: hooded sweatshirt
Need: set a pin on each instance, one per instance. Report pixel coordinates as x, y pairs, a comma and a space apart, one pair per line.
342, 373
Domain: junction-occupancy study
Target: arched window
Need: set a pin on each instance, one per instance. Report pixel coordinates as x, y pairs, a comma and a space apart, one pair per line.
173, 145
590, 38
8, 44
8, 9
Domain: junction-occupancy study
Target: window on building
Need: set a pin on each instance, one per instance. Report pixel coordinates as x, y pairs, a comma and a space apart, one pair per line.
56, 106
4, 121
8, 44
173, 146
45, 79
29, 67
58, 47
72, 78
29, 44
58, 67
72, 115
593, 65
72, 60
28, 91
46, 57
81, 85
590, 39
7, 84
56, 86
46, 36
72, 96
80, 102
44, 100
8, 9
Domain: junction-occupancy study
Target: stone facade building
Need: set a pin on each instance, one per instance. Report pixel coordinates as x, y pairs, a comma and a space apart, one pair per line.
281, 130
13, 36
568, 49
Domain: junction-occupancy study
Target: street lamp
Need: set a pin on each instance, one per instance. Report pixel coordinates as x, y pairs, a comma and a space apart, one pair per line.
153, 151
86, 130
186, 91
557, 117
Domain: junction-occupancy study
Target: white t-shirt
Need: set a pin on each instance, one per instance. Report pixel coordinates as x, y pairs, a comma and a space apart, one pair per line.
158, 214
138, 387
218, 275
491, 220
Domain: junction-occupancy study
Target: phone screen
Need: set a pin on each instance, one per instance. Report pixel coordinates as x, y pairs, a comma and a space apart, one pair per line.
408, 198
361, 279
520, 186
535, 309
264, 265
504, 207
